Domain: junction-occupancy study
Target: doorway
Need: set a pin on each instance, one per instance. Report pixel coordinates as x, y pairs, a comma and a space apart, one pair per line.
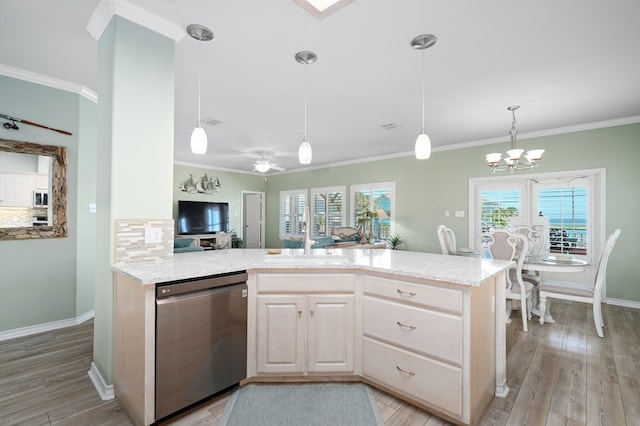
253, 219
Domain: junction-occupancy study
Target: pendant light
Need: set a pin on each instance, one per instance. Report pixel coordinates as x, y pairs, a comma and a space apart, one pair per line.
423, 143
198, 136
304, 151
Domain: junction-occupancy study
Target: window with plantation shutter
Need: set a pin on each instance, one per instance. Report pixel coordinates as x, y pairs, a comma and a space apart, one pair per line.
567, 206
291, 210
327, 209
497, 207
376, 200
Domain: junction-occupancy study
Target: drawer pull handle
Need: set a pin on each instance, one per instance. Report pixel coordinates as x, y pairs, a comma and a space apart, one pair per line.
405, 293
410, 327
408, 373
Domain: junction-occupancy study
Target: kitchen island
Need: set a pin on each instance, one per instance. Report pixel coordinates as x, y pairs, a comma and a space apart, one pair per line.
327, 315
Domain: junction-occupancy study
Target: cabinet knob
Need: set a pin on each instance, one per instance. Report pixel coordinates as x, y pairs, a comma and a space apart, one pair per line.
410, 327
405, 293
311, 311
405, 372
299, 312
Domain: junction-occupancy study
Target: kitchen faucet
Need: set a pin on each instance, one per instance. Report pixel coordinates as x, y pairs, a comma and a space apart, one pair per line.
307, 231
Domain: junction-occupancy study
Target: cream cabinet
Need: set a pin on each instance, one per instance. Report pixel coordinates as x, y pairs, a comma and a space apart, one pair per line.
16, 190
306, 323
416, 341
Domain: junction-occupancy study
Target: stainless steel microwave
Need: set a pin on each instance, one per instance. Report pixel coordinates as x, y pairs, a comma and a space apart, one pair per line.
40, 198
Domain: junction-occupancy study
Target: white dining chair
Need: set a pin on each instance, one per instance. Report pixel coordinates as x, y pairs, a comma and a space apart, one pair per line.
504, 245
447, 240
578, 292
536, 243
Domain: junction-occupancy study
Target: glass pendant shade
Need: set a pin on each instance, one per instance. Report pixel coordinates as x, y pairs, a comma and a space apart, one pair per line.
304, 152
198, 141
423, 147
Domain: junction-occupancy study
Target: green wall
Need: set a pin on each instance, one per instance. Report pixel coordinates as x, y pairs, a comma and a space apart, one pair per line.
426, 188
231, 186
38, 283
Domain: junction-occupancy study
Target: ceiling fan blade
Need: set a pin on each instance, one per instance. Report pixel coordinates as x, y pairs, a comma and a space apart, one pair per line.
278, 168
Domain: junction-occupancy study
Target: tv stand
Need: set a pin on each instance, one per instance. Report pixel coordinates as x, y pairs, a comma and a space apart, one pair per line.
212, 241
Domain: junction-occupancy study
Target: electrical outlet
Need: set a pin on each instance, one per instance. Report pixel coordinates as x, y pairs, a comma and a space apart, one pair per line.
446, 213
152, 235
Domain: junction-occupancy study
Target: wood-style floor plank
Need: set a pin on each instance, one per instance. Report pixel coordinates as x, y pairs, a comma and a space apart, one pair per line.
558, 374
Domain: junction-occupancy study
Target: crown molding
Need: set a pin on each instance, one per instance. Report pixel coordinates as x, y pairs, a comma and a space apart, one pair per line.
45, 80
623, 121
107, 9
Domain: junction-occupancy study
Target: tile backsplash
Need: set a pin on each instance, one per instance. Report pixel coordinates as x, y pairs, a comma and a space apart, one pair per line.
130, 240
17, 217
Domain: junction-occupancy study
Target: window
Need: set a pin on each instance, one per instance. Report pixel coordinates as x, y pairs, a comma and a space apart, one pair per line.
327, 209
291, 210
568, 206
497, 207
375, 200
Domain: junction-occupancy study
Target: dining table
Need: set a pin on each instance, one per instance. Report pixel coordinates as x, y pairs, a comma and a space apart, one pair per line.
550, 263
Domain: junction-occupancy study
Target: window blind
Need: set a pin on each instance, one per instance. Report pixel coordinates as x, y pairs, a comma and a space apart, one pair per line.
291, 211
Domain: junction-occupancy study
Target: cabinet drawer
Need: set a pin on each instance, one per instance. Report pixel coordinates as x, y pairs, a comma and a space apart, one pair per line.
436, 384
419, 294
308, 283
432, 333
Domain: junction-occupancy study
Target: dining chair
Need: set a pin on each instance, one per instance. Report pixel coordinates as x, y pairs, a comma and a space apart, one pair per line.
504, 245
578, 292
447, 240
535, 236
536, 243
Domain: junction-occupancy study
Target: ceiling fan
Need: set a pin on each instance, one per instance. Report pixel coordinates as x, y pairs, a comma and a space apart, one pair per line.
263, 166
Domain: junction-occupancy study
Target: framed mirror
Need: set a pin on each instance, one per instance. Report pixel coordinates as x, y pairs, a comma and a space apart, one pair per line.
57, 225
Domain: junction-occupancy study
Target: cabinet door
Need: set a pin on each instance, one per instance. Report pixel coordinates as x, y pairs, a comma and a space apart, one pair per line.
331, 333
16, 191
281, 332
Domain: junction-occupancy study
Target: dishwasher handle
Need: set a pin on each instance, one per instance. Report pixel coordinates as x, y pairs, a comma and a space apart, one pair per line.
176, 288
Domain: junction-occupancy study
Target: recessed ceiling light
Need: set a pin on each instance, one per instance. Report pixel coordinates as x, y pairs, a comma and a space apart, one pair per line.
322, 8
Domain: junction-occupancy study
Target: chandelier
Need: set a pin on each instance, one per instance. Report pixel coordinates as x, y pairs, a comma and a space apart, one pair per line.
513, 160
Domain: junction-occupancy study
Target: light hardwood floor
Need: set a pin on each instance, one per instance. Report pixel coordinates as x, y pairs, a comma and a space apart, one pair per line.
559, 374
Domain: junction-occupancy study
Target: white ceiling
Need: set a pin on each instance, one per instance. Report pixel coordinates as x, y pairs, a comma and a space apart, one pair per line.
565, 62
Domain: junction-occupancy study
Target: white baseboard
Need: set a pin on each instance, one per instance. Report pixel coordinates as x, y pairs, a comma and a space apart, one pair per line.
104, 390
622, 302
42, 328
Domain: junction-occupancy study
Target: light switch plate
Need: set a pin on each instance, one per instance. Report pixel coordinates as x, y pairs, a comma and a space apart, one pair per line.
152, 235
459, 213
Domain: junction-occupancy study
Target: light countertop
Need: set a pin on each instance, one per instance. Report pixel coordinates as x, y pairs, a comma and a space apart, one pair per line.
471, 271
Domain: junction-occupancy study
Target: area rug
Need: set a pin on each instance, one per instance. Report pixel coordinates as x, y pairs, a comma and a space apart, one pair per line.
308, 404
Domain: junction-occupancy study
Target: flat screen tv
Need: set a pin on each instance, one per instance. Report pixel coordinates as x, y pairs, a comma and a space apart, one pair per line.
201, 217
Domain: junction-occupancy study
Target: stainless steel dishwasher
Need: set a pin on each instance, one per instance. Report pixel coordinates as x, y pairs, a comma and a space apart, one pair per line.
201, 339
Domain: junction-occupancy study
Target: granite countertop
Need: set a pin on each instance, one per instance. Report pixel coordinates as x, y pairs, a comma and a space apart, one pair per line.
471, 271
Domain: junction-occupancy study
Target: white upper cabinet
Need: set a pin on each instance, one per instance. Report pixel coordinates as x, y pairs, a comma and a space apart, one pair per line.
16, 190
